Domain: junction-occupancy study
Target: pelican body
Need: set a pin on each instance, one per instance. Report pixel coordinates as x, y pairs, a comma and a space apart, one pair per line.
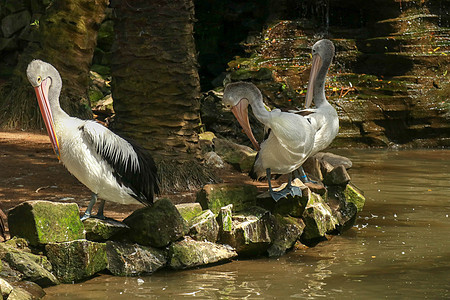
113, 168
290, 139
324, 117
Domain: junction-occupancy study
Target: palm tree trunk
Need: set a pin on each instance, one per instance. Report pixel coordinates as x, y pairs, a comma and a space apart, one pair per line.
156, 86
67, 35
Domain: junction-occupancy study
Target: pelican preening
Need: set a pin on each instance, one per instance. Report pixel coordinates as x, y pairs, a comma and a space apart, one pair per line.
293, 136
290, 140
113, 168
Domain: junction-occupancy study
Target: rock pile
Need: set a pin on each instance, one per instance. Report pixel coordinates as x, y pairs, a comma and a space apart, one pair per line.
51, 245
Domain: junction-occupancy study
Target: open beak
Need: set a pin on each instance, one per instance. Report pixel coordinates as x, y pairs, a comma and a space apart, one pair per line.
44, 106
240, 111
316, 64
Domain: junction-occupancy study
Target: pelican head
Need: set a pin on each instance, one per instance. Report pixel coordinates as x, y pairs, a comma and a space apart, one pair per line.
42, 76
237, 96
322, 54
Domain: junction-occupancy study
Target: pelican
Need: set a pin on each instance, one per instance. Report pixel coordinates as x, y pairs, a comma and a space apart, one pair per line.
290, 136
324, 117
113, 168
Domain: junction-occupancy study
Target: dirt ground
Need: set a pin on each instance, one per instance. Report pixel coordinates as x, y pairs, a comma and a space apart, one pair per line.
29, 170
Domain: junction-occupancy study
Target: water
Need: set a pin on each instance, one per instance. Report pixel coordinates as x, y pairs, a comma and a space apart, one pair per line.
398, 249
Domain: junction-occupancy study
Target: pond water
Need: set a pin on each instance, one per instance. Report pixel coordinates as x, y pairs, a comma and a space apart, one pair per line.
399, 247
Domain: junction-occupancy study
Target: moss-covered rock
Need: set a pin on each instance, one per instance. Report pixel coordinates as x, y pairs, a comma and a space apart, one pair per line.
318, 218
101, 230
355, 196
189, 253
26, 290
42, 222
216, 196
284, 232
156, 225
35, 268
5, 288
133, 259
76, 260
225, 219
204, 227
250, 232
240, 157
189, 210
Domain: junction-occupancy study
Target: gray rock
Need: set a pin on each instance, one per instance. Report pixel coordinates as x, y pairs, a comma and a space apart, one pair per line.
42, 222
133, 259
325, 167
8, 44
101, 230
318, 218
312, 167
189, 210
156, 225
338, 176
212, 159
284, 232
76, 260
239, 156
35, 268
334, 159
204, 227
250, 233
189, 253
216, 196
13, 23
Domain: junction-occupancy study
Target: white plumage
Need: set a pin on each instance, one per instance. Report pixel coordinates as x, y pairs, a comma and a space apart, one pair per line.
113, 168
290, 136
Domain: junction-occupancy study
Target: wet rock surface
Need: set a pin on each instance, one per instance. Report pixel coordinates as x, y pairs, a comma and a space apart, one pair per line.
133, 259
76, 260
189, 253
229, 220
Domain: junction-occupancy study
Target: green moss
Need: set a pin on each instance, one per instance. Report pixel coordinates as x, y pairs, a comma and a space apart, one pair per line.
353, 195
216, 196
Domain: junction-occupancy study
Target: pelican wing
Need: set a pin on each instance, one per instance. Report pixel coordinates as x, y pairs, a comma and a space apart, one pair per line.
132, 165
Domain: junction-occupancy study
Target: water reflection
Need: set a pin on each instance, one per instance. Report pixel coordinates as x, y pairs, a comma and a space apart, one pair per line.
399, 247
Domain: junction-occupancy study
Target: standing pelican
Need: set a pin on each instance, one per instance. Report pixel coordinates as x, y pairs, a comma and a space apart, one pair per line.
290, 139
111, 167
324, 117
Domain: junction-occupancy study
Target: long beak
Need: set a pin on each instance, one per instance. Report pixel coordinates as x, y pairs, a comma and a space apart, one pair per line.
44, 106
316, 65
240, 111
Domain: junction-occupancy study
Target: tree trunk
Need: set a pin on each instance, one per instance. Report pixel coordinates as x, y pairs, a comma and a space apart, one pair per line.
156, 86
66, 38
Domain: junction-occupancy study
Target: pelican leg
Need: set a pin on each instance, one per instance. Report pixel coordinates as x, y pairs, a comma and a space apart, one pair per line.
275, 195
300, 174
293, 190
100, 214
87, 213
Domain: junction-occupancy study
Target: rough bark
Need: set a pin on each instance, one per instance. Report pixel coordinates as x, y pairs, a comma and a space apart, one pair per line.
156, 86
65, 36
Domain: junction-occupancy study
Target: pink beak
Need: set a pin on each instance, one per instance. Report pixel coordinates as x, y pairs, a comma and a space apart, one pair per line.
316, 64
44, 106
240, 111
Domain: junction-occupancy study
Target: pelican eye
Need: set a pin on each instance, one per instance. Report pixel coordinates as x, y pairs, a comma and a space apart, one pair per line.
39, 79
